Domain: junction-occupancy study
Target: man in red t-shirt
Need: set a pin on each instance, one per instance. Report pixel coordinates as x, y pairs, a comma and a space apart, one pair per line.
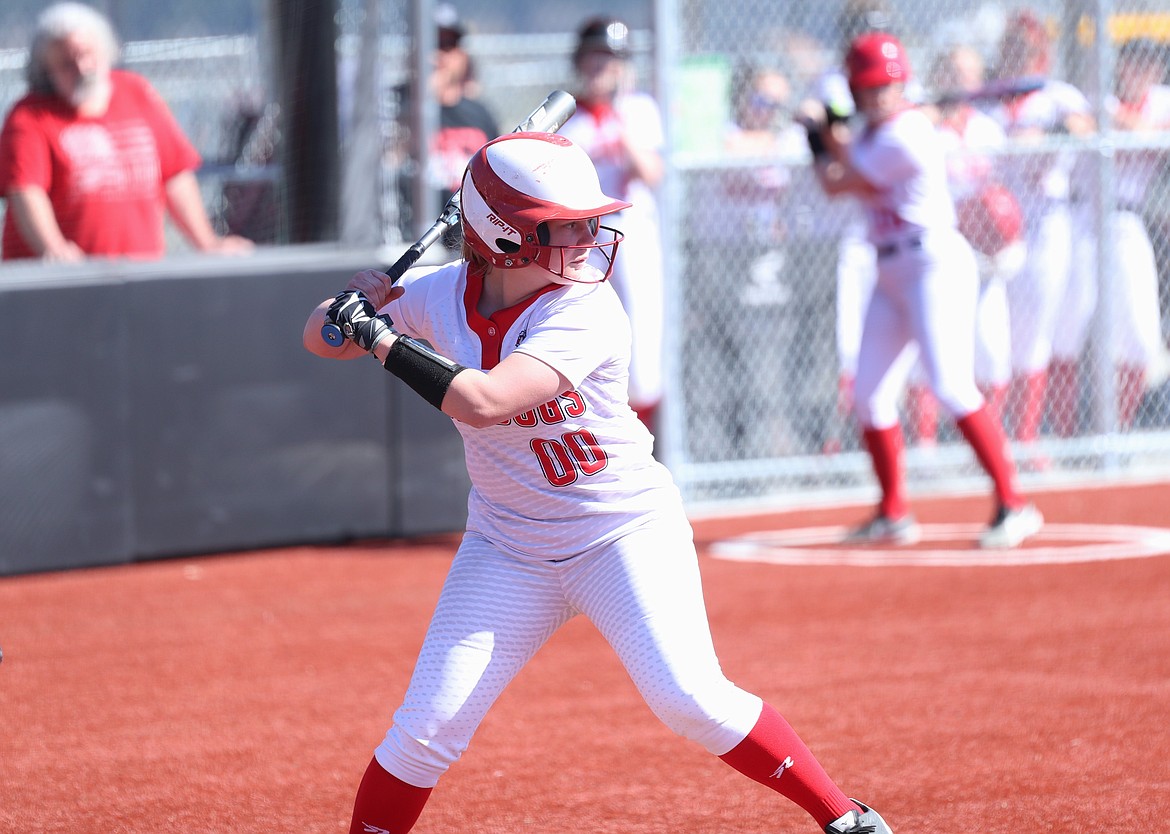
91, 159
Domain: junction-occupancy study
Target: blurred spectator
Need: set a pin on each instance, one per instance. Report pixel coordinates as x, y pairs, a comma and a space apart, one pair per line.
621, 130
465, 123
762, 122
1141, 103
1040, 181
740, 265
91, 159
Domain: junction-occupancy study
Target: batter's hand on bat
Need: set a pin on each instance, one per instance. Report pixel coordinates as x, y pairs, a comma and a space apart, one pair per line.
375, 286
358, 319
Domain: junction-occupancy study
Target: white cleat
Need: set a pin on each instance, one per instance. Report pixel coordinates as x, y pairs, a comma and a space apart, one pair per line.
868, 821
885, 530
1011, 527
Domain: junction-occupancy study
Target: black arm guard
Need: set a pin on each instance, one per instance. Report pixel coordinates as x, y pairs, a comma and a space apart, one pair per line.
428, 374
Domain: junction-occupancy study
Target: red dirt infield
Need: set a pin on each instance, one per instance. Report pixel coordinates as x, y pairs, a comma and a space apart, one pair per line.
245, 692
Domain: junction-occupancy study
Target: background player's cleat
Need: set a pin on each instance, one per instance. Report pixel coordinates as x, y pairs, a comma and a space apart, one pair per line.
1010, 527
868, 821
885, 530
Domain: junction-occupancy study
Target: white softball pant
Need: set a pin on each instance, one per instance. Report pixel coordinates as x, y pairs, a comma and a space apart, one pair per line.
923, 306
856, 274
1136, 325
643, 593
1035, 295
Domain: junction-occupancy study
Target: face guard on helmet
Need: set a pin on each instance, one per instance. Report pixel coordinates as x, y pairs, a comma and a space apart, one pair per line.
515, 185
876, 59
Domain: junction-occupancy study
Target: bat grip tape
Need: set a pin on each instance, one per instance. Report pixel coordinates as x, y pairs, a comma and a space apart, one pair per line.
424, 371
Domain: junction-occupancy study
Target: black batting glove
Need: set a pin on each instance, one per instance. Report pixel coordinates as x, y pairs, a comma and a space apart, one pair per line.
816, 142
358, 320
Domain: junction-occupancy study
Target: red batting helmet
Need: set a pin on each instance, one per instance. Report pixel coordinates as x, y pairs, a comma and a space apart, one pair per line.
991, 219
876, 59
516, 184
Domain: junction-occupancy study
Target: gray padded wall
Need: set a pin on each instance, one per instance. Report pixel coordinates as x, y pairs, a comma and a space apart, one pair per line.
161, 410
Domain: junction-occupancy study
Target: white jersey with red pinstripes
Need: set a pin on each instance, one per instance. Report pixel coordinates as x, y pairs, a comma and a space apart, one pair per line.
578, 471
904, 158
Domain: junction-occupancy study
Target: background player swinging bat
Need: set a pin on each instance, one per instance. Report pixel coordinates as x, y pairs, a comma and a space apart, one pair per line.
552, 113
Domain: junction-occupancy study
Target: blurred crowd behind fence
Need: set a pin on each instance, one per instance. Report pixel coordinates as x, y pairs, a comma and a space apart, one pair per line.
752, 247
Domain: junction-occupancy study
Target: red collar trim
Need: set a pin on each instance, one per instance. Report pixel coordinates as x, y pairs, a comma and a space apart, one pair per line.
491, 330
599, 110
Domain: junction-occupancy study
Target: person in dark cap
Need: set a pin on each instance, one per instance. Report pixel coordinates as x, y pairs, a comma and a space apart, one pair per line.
621, 130
465, 123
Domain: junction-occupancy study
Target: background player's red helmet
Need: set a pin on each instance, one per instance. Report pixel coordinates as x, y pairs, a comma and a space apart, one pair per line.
517, 183
876, 59
991, 219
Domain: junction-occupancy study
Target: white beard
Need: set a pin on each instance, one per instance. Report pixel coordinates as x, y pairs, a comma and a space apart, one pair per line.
92, 87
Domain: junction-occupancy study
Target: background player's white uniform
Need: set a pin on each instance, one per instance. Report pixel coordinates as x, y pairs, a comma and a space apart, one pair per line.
927, 284
1041, 183
569, 514
1136, 325
638, 271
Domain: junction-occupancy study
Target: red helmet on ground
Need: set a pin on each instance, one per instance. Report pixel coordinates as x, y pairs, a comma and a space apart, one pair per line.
876, 59
991, 219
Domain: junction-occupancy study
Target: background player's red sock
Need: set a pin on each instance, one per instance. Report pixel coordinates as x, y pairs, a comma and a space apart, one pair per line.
1027, 398
1131, 385
885, 450
386, 803
995, 396
1064, 396
923, 408
990, 446
648, 414
773, 755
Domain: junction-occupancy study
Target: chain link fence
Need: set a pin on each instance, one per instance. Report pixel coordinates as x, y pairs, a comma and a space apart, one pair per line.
772, 277
766, 275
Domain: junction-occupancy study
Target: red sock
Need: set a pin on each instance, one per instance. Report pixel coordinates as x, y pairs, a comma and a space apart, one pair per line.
1064, 396
995, 396
774, 755
923, 414
990, 445
885, 451
1028, 403
386, 803
844, 395
647, 413
1131, 385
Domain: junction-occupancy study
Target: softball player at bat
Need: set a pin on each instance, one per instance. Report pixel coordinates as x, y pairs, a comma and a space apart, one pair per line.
923, 302
569, 513
1140, 104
